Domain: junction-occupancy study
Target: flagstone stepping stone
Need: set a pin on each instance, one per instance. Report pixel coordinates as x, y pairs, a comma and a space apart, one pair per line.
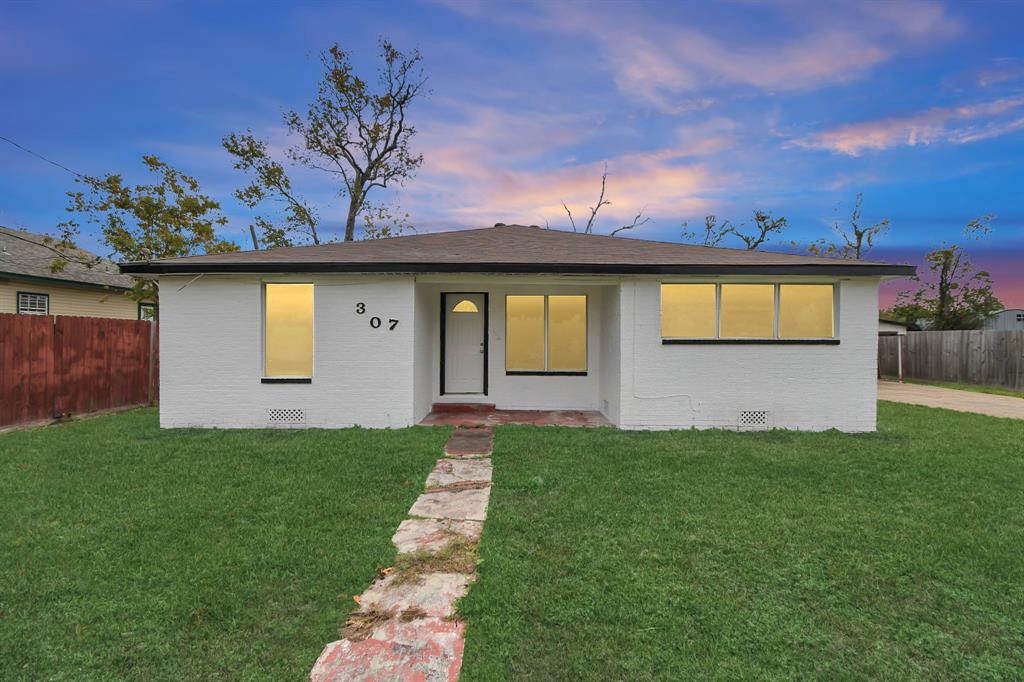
431, 535
470, 442
455, 471
431, 594
468, 504
427, 649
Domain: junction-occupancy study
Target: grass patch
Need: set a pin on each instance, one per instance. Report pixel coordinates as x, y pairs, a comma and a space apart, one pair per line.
458, 556
976, 388
137, 553
685, 555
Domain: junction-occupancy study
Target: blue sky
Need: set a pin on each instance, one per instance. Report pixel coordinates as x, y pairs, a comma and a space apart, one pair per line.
696, 108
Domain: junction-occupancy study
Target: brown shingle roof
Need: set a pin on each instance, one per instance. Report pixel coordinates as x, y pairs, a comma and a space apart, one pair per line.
25, 254
514, 249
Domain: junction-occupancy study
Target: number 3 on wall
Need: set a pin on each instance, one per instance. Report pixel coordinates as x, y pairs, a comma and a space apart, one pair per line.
375, 321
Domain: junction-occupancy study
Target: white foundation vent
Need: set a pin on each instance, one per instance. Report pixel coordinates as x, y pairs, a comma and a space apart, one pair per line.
283, 416
753, 420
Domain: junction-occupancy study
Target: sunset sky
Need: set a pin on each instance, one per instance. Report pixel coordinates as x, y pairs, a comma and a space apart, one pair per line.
697, 108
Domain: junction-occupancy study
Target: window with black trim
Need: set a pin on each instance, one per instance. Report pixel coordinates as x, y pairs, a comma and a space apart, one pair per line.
288, 331
33, 304
747, 312
546, 334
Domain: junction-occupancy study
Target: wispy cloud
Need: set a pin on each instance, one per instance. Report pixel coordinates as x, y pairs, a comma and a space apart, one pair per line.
956, 125
663, 63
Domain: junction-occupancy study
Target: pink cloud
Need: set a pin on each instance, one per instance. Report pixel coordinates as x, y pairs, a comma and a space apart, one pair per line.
956, 125
495, 166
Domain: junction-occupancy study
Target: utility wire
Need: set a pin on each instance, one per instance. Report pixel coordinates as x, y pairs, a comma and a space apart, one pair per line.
40, 156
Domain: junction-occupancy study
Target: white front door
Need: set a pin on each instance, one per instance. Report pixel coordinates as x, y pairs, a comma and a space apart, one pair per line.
464, 345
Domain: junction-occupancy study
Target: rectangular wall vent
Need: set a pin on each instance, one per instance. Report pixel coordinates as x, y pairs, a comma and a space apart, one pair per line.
753, 420
285, 415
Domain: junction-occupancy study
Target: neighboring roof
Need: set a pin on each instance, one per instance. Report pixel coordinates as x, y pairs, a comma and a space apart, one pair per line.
1007, 310
24, 254
515, 249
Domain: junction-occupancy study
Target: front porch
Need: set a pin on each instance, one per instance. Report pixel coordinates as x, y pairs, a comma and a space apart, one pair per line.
516, 349
485, 414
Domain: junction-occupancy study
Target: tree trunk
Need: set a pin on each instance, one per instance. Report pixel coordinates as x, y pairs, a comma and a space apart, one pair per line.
354, 201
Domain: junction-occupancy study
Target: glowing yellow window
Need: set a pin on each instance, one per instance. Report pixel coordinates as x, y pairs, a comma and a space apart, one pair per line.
567, 333
465, 306
687, 311
524, 333
748, 311
288, 335
805, 311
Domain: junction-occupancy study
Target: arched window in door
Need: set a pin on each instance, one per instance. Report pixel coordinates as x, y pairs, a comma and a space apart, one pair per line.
465, 306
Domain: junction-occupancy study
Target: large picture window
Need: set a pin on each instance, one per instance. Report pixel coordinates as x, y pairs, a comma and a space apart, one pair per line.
545, 334
747, 312
288, 331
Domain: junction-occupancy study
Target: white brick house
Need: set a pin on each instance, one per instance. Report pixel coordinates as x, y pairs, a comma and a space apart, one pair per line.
652, 334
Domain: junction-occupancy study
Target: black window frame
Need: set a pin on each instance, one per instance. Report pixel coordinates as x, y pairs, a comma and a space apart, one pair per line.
549, 372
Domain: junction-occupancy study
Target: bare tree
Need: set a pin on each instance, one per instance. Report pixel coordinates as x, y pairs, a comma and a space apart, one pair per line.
359, 133
980, 227
764, 227
853, 242
638, 220
715, 232
270, 182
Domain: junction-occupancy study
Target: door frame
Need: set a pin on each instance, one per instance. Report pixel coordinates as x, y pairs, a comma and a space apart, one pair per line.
487, 334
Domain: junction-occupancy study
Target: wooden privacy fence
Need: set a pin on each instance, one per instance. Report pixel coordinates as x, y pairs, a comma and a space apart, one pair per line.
51, 367
987, 357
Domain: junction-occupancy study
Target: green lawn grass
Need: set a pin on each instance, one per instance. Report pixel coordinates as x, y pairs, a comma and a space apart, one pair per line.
977, 388
127, 552
686, 555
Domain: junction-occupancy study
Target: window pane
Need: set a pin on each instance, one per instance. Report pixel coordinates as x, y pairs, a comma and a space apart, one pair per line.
465, 306
688, 310
567, 333
524, 332
805, 311
748, 311
289, 331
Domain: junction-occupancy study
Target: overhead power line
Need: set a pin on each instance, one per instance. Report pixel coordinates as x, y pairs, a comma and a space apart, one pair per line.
40, 156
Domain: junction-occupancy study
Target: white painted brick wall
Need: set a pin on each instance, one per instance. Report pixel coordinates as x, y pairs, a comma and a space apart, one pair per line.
610, 353
211, 358
705, 386
426, 313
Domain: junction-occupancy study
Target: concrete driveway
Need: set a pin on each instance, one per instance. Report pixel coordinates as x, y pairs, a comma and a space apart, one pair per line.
951, 399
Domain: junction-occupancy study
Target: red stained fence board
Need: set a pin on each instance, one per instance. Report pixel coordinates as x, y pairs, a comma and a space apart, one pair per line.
55, 366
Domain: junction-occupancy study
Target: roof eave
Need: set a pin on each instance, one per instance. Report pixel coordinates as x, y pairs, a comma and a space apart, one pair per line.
62, 281
837, 269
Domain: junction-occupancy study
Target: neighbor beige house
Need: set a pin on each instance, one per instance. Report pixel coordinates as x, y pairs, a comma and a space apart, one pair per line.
29, 286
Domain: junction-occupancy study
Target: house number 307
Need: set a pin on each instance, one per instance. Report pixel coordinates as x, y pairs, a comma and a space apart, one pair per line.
375, 321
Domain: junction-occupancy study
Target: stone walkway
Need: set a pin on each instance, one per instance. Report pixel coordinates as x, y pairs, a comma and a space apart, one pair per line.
405, 627
952, 399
